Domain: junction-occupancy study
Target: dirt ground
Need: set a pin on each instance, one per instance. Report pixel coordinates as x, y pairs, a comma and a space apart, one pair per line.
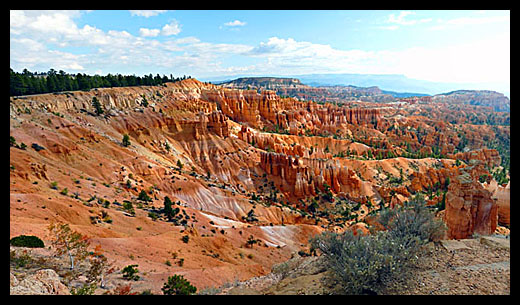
479, 266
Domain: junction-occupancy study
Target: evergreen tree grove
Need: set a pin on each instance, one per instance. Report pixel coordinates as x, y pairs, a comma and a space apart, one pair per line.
27, 82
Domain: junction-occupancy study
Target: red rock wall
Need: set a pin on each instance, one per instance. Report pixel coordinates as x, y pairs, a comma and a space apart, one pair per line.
469, 208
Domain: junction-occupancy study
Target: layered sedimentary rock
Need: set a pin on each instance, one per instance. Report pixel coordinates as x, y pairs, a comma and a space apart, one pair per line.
469, 208
305, 177
476, 97
244, 105
215, 122
421, 181
503, 197
242, 152
490, 157
258, 109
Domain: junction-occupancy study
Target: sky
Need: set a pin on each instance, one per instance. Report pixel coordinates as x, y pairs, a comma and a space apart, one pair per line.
453, 46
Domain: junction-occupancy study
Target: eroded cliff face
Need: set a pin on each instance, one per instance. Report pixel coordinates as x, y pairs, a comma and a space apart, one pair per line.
244, 162
268, 110
304, 177
470, 208
489, 157
502, 194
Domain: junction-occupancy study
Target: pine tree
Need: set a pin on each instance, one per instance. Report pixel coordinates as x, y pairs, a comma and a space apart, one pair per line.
168, 206
178, 285
97, 105
126, 140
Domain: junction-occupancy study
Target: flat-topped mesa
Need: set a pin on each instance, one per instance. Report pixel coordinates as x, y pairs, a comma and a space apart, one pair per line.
264, 83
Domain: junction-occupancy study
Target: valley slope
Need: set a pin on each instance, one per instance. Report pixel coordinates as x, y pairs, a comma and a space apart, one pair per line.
244, 165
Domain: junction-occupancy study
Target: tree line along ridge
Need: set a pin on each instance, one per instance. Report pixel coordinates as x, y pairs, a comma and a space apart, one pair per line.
27, 83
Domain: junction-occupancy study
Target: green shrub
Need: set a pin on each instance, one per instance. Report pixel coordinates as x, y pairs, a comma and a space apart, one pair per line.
413, 219
85, 289
37, 147
143, 196
128, 207
363, 263
359, 262
126, 140
28, 241
178, 285
153, 216
130, 273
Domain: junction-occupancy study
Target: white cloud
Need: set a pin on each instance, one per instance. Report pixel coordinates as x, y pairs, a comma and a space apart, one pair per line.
149, 32
17, 19
171, 29
92, 49
389, 27
187, 40
235, 23
146, 13
465, 21
29, 44
482, 61
401, 20
487, 60
72, 66
34, 47
57, 23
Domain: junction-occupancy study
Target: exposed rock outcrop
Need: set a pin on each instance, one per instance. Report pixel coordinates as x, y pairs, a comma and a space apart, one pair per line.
303, 177
503, 197
469, 208
489, 157
43, 282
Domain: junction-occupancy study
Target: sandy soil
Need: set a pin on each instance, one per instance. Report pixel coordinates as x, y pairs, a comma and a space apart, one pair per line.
470, 268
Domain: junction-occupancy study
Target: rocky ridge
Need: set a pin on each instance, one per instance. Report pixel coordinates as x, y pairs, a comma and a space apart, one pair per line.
251, 164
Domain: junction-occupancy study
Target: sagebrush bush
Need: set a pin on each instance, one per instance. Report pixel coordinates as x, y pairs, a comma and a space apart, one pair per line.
359, 262
413, 219
362, 263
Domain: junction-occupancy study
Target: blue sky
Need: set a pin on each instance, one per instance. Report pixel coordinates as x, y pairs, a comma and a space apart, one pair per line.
444, 46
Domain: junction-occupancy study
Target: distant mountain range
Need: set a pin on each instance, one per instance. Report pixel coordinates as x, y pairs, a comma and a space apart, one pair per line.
393, 84
294, 87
